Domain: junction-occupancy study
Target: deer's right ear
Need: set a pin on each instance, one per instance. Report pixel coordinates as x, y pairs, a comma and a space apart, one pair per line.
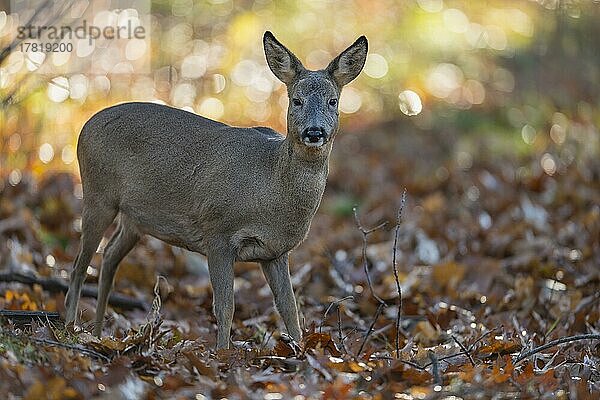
284, 64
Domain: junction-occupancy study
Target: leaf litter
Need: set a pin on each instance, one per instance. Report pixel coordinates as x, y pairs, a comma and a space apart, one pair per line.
492, 265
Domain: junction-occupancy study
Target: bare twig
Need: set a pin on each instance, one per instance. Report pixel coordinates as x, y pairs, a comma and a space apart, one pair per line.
365, 234
448, 357
336, 303
349, 333
53, 284
418, 366
463, 352
411, 363
480, 338
370, 330
340, 333
568, 339
407, 362
394, 264
464, 349
363, 230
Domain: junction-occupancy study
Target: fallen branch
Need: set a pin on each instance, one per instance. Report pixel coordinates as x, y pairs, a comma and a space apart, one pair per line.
21, 316
53, 284
568, 339
396, 277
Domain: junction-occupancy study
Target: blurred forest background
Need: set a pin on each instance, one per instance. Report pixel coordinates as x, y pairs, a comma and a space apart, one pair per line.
487, 112
522, 72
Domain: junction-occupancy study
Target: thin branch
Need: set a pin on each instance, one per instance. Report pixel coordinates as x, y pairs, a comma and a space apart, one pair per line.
464, 352
365, 234
448, 357
340, 332
377, 314
336, 303
364, 230
568, 339
463, 348
418, 366
394, 264
350, 333
480, 338
412, 364
407, 362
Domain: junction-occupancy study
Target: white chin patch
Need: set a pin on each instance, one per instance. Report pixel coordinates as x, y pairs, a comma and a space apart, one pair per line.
319, 143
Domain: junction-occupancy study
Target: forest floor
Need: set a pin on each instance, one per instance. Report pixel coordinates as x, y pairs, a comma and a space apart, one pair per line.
496, 255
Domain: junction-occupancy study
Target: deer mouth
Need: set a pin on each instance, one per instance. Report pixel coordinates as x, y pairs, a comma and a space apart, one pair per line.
314, 138
313, 142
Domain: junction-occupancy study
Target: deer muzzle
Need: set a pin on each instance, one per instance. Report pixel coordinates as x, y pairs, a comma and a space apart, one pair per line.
314, 137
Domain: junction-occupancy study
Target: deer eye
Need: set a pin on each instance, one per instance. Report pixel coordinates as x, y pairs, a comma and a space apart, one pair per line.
297, 102
332, 102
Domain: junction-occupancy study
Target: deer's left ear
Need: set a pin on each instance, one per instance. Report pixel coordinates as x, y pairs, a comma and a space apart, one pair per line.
345, 67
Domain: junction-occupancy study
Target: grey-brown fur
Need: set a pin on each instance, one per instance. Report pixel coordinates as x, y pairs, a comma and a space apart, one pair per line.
233, 194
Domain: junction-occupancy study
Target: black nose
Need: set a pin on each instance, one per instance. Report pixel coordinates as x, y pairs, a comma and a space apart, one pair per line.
313, 134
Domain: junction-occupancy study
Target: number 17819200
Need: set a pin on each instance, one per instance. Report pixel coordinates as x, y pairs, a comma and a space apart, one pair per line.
46, 47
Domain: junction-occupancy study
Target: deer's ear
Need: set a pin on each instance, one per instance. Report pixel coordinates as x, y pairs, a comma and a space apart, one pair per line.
345, 67
284, 64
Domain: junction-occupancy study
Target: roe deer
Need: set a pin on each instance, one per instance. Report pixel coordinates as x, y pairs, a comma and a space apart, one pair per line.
232, 194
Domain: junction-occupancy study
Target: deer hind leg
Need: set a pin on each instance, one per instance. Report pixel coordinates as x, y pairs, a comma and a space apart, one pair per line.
121, 243
95, 219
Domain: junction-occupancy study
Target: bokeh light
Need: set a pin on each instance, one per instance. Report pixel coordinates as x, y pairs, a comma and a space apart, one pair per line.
410, 103
46, 153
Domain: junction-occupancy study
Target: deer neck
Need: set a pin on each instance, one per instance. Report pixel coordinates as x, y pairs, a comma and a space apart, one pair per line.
302, 171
